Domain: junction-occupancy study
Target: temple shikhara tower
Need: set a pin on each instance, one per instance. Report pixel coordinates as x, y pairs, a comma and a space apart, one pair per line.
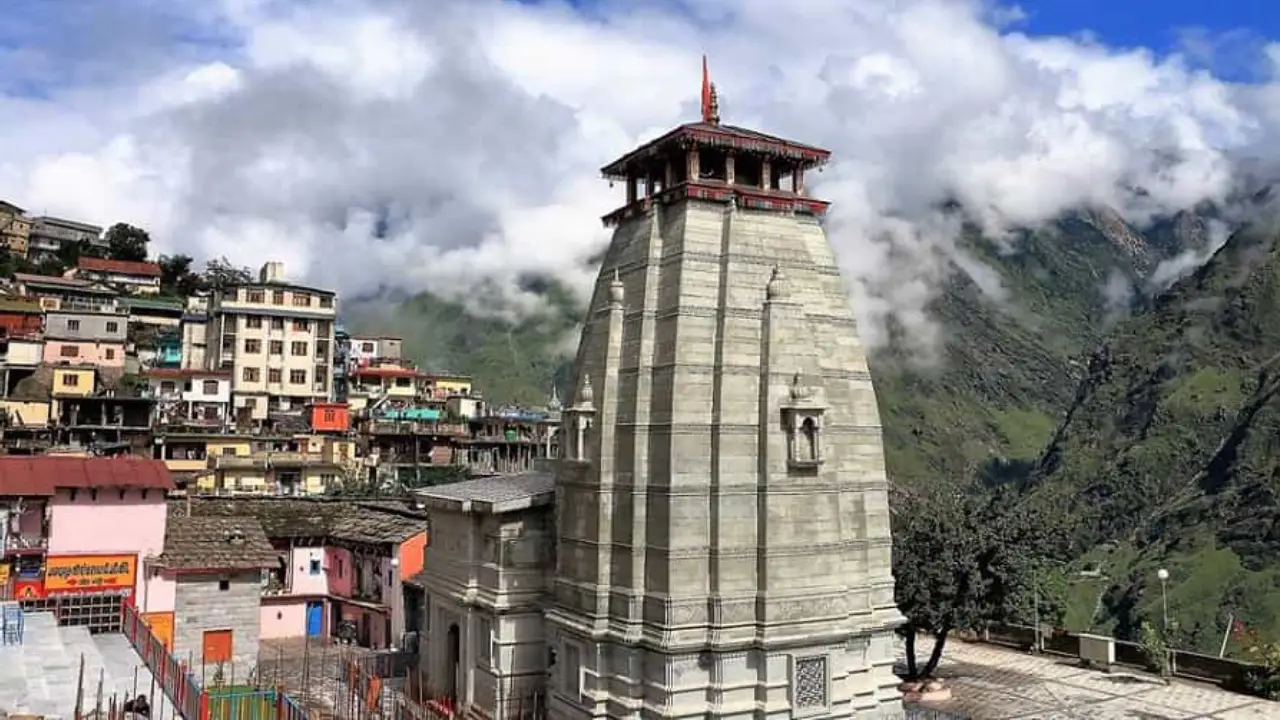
721, 508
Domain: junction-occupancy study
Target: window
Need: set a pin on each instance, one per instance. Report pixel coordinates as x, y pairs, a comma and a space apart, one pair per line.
315, 566
277, 347
301, 326
210, 387
167, 387
298, 377
301, 300
322, 374
253, 322
224, 585
298, 348
326, 301
277, 323
484, 643
252, 346
69, 351
109, 354
73, 326
113, 327
366, 347
331, 416
571, 671
402, 382
251, 403
273, 375
250, 374
70, 380
255, 296
277, 297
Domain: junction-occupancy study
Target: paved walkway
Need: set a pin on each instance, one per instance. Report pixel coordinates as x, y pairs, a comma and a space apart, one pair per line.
995, 683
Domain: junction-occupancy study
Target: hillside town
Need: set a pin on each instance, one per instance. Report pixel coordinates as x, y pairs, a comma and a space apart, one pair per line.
233, 448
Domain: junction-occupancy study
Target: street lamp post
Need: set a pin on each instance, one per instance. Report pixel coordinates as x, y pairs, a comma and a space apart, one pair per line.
1163, 576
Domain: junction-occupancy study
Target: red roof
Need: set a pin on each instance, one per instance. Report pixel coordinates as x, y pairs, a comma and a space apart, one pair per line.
43, 474
386, 371
119, 267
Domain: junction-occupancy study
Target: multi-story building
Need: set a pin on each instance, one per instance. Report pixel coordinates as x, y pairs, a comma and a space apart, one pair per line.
190, 398
88, 412
15, 228
365, 350
194, 329
60, 293
277, 339
78, 529
86, 337
49, 235
137, 278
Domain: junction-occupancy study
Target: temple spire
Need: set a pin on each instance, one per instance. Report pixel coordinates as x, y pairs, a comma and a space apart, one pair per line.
710, 103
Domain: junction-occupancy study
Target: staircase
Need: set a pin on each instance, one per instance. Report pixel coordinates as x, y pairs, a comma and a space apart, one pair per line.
40, 676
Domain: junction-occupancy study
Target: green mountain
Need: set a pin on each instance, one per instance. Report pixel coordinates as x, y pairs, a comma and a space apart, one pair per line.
1169, 455
511, 361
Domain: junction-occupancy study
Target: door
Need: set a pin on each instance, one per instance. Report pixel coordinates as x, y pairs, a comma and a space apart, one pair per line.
216, 647
315, 618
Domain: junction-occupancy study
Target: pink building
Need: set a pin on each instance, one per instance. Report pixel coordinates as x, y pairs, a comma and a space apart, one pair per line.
293, 604
101, 354
79, 530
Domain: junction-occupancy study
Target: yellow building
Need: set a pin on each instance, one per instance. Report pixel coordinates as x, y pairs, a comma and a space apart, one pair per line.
303, 465
73, 381
15, 228
447, 385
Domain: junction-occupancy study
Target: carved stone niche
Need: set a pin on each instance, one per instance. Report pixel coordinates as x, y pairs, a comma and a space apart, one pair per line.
802, 414
578, 419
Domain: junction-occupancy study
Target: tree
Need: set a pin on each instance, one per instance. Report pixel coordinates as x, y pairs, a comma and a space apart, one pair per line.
126, 242
963, 559
219, 273
176, 277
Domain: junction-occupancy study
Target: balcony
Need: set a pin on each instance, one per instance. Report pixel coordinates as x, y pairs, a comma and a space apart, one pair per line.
264, 461
25, 544
416, 427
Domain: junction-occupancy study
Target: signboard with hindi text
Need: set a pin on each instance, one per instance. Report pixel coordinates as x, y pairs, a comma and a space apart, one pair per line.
68, 574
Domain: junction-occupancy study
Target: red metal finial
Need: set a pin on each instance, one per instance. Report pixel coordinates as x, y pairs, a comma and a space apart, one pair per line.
707, 110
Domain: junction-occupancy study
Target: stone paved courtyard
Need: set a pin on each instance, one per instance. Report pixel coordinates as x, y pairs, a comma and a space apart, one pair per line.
994, 683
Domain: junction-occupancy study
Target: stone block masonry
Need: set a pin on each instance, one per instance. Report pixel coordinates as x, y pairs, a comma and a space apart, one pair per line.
214, 602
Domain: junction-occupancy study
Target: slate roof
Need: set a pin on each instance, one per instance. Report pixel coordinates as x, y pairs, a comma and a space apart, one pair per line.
216, 543
372, 522
41, 475
498, 494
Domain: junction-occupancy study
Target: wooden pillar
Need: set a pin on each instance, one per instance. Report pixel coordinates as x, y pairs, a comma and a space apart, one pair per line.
648, 185
730, 171
631, 189
695, 165
669, 175
797, 180
766, 175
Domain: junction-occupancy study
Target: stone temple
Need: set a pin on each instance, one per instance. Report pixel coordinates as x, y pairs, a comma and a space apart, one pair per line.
716, 531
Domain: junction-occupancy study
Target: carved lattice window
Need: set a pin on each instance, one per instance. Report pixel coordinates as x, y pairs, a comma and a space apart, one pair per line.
810, 682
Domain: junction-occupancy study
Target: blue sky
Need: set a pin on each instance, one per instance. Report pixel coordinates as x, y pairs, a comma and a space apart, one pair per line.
1150, 23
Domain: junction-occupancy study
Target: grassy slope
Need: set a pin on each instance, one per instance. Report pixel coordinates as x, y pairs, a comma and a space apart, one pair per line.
1171, 453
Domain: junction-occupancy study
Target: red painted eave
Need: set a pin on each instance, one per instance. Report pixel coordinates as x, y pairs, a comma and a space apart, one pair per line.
705, 132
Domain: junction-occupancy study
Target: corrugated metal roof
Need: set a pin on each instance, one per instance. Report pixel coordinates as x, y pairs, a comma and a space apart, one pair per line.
120, 267
42, 475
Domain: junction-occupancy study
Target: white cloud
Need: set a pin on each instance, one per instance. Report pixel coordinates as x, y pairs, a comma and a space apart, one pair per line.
390, 144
